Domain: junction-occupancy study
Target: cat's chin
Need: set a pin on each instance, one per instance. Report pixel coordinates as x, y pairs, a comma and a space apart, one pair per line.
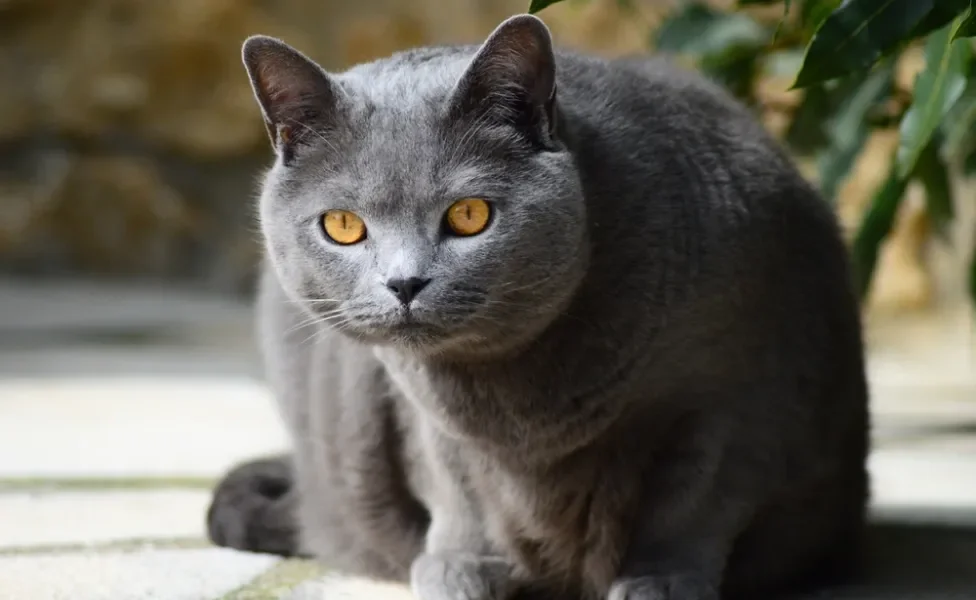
428, 335
422, 341
407, 335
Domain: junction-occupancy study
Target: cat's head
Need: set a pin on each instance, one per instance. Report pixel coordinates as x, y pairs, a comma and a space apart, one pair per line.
426, 200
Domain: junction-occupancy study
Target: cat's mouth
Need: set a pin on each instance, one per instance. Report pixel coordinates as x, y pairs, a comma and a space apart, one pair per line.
403, 327
408, 323
418, 327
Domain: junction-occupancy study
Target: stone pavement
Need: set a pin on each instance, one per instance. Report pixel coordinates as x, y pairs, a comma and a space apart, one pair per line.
119, 407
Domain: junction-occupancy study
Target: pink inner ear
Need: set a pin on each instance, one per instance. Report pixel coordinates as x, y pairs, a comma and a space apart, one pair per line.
515, 55
505, 55
284, 133
501, 62
273, 83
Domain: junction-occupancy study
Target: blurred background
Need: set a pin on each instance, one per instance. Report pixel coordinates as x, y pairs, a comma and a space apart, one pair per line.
130, 147
130, 142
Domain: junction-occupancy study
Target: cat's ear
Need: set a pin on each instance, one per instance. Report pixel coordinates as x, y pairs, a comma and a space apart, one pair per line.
513, 76
298, 99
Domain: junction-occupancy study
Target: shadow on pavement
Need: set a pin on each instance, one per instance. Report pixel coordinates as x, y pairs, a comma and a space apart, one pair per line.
915, 561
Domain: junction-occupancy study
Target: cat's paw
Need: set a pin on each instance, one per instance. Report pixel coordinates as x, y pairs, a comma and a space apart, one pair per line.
664, 587
460, 577
253, 508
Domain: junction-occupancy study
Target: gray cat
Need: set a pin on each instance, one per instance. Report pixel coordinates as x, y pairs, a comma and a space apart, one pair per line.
548, 326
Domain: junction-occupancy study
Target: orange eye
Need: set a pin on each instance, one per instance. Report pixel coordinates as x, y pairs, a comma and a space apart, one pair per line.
344, 227
468, 216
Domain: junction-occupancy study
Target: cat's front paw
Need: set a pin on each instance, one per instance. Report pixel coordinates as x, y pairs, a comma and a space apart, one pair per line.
460, 577
664, 587
253, 508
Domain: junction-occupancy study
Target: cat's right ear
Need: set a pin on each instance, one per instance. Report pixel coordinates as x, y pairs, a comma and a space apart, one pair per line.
513, 78
298, 99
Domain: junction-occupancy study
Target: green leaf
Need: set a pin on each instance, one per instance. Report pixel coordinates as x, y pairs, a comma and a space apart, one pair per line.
699, 31
786, 8
736, 71
937, 88
933, 173
959, 124
969, 162
942, 12
814, 12
968, 26
972, 278
807, 130
537, 5
857, 35
834, 163
726, 46
847, 129
875, 227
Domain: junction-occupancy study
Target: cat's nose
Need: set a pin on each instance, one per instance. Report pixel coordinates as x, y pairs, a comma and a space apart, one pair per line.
406, 289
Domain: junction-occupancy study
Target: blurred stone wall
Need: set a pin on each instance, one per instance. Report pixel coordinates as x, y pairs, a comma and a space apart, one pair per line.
129, 139
130, 143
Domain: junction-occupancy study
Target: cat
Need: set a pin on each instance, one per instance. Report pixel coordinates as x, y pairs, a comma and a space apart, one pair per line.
547, 325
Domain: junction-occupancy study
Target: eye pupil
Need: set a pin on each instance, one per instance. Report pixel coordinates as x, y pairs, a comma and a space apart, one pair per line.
344, 227
468, 216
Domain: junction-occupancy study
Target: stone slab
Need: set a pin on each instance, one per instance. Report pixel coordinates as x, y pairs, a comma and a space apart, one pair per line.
69, 359
334, 587
60, 518
190, 574
915, 477
133, 426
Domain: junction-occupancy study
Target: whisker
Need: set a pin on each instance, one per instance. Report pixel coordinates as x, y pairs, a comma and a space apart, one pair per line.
311, 320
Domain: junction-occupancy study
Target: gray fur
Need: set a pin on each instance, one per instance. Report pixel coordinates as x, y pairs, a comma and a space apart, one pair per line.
644, 380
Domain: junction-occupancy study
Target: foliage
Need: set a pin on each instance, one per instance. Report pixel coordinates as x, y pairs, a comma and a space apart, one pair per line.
842, 57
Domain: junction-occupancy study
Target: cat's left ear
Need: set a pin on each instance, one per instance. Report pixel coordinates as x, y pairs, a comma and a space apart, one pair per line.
299, 100
513, 77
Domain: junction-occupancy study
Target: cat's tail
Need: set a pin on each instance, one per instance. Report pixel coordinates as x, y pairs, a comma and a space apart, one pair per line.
254, 508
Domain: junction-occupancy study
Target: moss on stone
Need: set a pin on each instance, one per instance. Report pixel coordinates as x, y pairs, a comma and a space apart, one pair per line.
278, 580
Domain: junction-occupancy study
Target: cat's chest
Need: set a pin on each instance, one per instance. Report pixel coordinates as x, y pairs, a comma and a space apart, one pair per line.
553, 526
528, 516
543, 519
460, 406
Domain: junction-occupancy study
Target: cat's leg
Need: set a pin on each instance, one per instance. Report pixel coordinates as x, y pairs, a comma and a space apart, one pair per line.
685, 565
810, 538
461, 576
254, 508
458, 562
693, 506
712, 496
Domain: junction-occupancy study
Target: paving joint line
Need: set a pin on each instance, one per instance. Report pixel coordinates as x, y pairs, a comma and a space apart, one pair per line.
108, 484
114, 546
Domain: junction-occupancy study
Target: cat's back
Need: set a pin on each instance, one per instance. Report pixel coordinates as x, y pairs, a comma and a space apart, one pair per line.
671, 148
652, 110
698, 216
643, 85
